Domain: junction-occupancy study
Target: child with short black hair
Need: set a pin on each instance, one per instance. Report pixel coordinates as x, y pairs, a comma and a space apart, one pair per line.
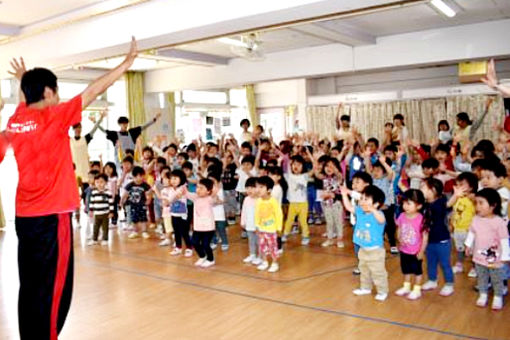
219, 212
203, 221
229, 182
439, 244
87, 193
269, 221
412, 235
462, 214
487, 241
248, 221
101, 204
368, 234
242, 174
136, 195
493, 175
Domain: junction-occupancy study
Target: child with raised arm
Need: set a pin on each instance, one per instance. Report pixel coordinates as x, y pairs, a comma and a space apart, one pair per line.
268, 220
368, 235
462, 214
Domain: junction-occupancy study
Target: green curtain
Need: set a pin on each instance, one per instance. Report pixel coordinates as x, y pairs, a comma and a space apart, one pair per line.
135, 99
170, 100
252, 104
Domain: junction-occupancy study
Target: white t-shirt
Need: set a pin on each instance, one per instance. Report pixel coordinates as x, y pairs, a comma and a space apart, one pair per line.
415, 174
219, 209
297, 192
243, 177
277, 193
504, 193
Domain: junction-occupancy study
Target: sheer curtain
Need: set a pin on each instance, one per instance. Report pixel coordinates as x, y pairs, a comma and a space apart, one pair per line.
421, 116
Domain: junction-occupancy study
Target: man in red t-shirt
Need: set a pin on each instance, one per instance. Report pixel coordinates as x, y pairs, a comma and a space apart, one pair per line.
47, 193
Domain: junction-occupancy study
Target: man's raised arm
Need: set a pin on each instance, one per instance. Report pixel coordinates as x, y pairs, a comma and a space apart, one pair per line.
100, 85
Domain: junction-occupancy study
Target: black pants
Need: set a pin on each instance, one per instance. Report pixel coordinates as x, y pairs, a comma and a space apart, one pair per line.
390, 228
100, 222
202, 244
45, 260
181, 231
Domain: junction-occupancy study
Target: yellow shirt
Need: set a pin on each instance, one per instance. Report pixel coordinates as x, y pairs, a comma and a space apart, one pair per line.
463, 213
268, 215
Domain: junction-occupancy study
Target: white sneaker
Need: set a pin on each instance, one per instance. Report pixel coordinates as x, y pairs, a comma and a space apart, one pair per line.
176, 251
92, 243
279, 252
164, 243
188, 253
208, 264
284, 238
327, 243
146, 235
305, 241
340, 244
497, 302
472, 273
133, 235
402, 291
381, 296
163, 237
104, 243
394, 250
249, 259
458, 268
482, 300
200, 262
414, 295
263, 266
224, 247
274, 268
361, 291
429, 285
214, 246
447, 290
256, 261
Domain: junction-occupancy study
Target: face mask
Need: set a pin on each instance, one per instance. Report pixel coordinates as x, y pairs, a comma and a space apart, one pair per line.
445, 136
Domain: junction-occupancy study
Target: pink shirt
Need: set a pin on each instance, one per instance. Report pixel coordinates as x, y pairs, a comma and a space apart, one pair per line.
411, 233
488, 236
203, 215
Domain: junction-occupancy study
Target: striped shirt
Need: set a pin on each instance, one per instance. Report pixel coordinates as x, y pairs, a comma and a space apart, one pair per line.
101, 202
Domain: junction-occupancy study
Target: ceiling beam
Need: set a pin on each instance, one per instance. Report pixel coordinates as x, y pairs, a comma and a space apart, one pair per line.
194, 57
9, 30
337, 32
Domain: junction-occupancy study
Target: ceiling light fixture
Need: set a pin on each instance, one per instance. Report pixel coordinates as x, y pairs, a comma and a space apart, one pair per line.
442, 7
232, 42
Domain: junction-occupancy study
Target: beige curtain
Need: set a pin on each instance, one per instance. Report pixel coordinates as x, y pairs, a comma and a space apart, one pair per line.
421, 116
170, 100
135, 98
252, 104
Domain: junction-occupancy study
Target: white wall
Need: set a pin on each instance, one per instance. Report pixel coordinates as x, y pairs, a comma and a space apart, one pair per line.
410, 50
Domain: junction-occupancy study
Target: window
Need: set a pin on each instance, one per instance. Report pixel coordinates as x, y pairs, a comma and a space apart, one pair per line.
204, 97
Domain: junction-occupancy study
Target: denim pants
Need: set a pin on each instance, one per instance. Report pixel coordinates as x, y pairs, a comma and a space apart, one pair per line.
495, 275
253, 242
439, 253
221, 231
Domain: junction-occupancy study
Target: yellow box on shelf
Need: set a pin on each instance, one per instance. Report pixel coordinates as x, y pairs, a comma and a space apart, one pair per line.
472, 71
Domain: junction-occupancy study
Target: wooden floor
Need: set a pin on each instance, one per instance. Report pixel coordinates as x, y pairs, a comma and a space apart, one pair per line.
135, 290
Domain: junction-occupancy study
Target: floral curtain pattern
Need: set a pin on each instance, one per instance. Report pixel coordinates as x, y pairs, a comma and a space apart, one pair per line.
421, 116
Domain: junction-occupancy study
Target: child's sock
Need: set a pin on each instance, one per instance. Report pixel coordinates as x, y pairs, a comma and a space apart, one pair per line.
407, 285
417, 288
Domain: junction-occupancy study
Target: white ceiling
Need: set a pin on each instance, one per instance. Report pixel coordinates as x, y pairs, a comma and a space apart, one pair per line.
25, 12
417, 18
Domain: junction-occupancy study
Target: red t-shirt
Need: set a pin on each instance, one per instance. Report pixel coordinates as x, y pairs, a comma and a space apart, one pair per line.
40, 140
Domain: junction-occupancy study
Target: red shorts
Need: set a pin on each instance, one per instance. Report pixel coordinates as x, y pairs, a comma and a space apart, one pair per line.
268, 244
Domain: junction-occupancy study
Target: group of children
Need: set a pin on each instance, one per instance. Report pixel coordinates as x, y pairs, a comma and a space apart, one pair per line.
424, 199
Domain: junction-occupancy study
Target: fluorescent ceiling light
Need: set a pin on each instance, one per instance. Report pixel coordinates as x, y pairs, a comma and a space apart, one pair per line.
443, 8
233, 42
